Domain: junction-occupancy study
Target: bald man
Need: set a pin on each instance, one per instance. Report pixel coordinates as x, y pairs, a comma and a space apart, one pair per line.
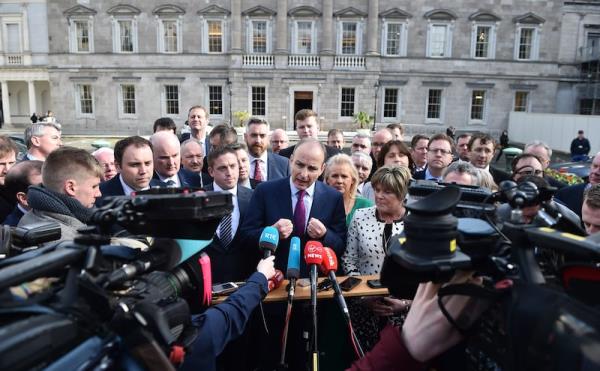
167, 162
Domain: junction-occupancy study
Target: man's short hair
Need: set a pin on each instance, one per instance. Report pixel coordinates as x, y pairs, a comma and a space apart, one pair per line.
396, 126
515, 161
102, 150
591, 196
463, 135
166, 123
257, 121
539, 143
122, 145
190, 141
217, 152
18, 177
442, 136
415, 139
462, 167
37, 130
226, 134
335, 132
362, 136
198, 107
363, 157
311, 140
68, 163
305, 113
7, 145
483, 139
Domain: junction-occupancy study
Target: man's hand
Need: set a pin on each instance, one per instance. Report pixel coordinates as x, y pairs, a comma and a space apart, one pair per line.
387, 306
315, 229
267, 267
285, 228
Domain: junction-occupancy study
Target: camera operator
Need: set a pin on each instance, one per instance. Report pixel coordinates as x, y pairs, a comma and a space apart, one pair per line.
225, 322
70, 186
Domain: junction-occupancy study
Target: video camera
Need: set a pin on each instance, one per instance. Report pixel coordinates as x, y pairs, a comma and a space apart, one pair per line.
103, 306
531, 319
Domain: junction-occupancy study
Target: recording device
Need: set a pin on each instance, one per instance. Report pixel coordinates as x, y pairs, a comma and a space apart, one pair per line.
313, 255
268, 241
324, 285
92, 298
528, 321
375, 284
293, 272
224, 288
349, 283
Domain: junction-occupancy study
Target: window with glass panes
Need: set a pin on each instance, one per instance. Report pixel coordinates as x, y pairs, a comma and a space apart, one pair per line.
304, 37
215, 100
128, 99
521, 101
125, 36
526, 42
393, 34
390, 103
482, 41
347, 102
434, 104
170, 36
86, 105
259, 36
349, 37
215, 36
477, 104
438, 40
172, 99
82, 32
259, 101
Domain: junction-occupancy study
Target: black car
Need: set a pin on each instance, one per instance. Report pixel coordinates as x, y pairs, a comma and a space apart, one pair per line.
581, 169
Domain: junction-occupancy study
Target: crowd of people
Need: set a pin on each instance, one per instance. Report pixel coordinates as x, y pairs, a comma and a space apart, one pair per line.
351, 198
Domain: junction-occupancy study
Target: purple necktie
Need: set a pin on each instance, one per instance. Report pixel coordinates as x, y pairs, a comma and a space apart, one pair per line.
300, 215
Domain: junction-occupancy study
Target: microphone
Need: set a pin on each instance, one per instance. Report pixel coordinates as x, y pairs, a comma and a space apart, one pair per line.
293, 266
276, 280
293, 273
269, 239
313, 255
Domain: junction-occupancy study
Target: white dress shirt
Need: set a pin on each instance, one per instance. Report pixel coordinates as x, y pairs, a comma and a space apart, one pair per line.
263, 165
174, 178
235, 214
126, 188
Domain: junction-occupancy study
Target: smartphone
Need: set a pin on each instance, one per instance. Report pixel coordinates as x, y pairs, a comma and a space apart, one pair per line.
224, 288
325, 285
349, 283
375, 284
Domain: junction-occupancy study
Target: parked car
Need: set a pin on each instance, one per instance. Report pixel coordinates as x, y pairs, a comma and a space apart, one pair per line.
581, 169
20, 142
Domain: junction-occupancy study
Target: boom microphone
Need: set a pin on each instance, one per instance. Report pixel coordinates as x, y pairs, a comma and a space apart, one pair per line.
269, 239
313, 255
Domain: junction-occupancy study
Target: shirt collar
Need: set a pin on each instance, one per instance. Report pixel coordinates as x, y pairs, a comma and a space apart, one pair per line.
233, 190
262, 157
428, 175
310, 190
166, 179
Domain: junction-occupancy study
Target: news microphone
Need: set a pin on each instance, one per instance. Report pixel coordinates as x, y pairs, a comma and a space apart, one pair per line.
276, 280
313, 255
292, 273
293, 265
269, 239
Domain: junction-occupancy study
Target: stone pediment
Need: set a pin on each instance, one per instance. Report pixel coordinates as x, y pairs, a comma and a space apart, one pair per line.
168, 10
484, 16
79, 10
304, 11
214, 10
125, 10
441, 15
395, 13
259, 11
349, 12
529, 18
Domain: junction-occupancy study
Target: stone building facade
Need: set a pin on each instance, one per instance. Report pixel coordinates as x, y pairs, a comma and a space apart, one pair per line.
116, 66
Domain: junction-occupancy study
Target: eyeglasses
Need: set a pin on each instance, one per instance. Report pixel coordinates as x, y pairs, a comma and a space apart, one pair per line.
530, 172
440, 150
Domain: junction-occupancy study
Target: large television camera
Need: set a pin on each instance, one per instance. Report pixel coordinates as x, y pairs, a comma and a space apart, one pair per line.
530, 319
107, 306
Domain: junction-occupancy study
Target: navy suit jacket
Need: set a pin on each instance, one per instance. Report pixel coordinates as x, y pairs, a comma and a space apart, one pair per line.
277, 167
235, 262
272, 201
13, 218
186, 178
330, 151
113, 187
572, 197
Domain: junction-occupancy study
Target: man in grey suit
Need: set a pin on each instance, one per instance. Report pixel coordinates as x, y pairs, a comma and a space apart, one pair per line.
264, 165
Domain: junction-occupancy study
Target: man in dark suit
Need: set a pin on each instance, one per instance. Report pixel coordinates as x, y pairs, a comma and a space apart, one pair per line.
572, 196
192, 160
439, 156
307, 126
481, 153
264, 165
167, 162
198, 121
18, 179
8, 157
544, 152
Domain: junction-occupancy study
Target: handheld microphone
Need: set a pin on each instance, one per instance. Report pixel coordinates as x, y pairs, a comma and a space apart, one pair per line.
276, 280
293, 272
313, 255
269, 239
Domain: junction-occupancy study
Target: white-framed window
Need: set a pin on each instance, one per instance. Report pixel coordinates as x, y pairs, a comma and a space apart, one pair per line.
12, 37
125, 36
215, 100
393, 37
435, 105
391, 104
84, 100
304, 37
169, 35
478, 107
527, 42
521, 102
483, 41
258, 101
349, 38
127, 100
439, 40
214, 39
259, 36
81, 35
170, 98
347, 101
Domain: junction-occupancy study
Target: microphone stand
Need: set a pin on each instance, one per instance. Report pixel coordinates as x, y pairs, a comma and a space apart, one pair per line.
288, 314
313, 304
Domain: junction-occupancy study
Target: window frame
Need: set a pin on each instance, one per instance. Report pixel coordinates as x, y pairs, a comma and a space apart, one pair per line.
485, 107
535, 42
398, 104
6, 21
403, 38
78, 100
116, 29
164, 99
250, 35
120, 103
73, 37
206, 35
449, 25
208, 100
250, 100
354, 103
442, 109
491, 52
527, 103
359, 36
313, 36
161, 37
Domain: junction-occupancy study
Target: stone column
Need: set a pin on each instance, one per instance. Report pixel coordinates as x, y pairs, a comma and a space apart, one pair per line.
5, 103
31, 91
372, 27
327, 32
282, 27
236, 26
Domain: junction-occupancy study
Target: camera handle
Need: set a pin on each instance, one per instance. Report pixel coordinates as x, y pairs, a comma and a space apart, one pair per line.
522, 253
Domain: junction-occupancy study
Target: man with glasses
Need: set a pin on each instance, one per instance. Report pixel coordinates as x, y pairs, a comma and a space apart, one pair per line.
544, 153
380, 138
418, 150
439, 156
526, 165
361, 143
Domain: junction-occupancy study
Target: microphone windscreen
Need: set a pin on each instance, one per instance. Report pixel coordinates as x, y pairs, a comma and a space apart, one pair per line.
313, 252
330, 262
269, 239
293, 266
